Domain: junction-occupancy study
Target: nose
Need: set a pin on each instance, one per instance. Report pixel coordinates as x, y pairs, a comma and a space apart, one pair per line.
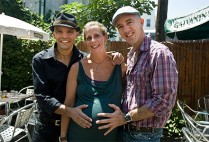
126, 29
65, 35
93, 39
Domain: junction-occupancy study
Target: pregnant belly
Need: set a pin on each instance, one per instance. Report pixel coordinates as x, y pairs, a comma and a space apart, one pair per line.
96, 107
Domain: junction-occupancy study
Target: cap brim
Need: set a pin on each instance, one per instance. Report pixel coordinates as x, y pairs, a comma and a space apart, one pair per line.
116, 17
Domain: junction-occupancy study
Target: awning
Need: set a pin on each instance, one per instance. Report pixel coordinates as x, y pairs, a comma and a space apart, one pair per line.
191, 27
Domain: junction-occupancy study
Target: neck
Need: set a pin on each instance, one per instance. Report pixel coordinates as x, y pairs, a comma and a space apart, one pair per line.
98, 60
101, 59
64, 54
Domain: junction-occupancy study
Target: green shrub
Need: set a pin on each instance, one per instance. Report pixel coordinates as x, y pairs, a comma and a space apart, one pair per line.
175, 123
17, 54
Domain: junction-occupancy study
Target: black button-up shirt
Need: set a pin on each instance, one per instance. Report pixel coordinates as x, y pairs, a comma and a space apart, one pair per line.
49, 80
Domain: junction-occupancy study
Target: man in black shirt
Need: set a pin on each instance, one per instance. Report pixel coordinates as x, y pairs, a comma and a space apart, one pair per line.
50, 69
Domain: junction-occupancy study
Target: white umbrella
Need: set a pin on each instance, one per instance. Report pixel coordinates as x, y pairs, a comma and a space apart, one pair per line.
21, 29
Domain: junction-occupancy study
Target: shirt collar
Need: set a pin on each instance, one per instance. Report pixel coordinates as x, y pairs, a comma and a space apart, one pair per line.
49, 53
145, 44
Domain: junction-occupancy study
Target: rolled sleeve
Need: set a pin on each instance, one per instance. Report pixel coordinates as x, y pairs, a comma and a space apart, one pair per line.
164, 83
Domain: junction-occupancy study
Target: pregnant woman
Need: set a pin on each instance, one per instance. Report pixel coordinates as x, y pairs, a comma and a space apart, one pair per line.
92, 84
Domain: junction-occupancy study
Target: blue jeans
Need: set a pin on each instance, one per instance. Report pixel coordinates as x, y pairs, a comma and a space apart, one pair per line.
132, 136
45, 133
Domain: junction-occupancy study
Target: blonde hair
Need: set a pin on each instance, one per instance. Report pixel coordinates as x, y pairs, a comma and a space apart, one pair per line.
95, 23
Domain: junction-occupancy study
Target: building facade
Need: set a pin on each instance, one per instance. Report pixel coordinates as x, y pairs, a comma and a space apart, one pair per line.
149, 24
43, 7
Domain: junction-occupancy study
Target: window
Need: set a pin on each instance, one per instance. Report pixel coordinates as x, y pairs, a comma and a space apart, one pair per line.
148, 23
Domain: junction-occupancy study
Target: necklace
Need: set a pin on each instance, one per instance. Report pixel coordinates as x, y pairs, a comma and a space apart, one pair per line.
97, 67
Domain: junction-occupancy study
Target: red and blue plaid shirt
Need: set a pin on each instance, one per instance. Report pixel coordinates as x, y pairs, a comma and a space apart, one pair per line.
151, 81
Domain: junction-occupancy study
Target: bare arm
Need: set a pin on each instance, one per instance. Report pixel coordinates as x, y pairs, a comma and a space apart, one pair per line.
69, 100
75, 113
124, 68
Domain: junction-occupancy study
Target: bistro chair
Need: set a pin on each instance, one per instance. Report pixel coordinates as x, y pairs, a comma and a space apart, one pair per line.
29, 90
196, 127
203, 103
16, 124
188, 136
33, 119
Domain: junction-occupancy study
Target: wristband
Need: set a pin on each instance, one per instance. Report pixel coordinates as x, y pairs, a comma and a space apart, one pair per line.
62, 139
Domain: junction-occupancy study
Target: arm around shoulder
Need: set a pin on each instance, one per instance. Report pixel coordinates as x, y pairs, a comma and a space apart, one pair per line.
124, 68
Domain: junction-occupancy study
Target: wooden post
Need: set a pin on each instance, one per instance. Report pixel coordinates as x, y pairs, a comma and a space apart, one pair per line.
161, 17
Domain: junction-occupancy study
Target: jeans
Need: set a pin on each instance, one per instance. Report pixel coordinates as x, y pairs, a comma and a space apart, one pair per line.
132, 136
45, 133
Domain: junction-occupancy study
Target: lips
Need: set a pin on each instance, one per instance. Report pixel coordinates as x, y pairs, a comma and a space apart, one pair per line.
129, 34
95, 46
64, 41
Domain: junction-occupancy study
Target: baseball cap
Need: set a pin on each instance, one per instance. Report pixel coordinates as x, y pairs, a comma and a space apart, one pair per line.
65, 20
124, 10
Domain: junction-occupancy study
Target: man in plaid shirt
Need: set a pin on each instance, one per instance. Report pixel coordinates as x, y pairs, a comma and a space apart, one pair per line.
152, 80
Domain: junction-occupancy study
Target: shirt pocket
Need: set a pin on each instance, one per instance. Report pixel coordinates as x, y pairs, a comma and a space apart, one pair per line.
139, 77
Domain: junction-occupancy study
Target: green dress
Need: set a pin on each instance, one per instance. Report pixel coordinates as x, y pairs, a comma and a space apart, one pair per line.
97, 95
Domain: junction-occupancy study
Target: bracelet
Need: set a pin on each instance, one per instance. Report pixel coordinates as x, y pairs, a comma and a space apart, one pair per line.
62, 139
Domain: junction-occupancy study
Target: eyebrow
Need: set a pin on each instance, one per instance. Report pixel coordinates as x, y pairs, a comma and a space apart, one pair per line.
129, 19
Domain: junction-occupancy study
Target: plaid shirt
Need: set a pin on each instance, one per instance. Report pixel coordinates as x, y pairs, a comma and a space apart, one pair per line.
152, 80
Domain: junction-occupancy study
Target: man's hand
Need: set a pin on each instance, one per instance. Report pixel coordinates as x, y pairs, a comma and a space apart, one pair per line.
117, 58
112, 120
79, 117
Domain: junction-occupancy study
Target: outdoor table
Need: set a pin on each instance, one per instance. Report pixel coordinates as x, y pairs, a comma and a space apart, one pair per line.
6, 110
12, 99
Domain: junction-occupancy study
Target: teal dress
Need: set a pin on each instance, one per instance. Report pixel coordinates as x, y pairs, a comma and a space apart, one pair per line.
97, 95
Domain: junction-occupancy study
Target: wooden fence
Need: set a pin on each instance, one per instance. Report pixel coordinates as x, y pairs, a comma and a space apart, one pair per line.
192, 60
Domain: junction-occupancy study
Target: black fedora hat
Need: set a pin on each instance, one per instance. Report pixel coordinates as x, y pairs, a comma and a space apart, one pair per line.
65, 20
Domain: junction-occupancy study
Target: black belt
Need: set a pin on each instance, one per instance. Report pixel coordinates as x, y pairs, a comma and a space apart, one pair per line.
49, 121
130, 127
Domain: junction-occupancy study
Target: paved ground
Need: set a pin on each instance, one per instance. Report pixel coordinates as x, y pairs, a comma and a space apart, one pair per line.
171, 139
165, 138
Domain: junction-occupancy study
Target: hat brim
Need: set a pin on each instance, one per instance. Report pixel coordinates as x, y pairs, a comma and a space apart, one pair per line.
116, 17
64, 25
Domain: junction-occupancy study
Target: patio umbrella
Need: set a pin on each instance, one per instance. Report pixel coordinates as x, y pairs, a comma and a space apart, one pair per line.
21, 29
194, 26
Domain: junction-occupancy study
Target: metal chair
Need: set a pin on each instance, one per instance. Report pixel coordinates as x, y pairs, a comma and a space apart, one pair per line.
29, 90
10, 131
197, 128
188, 136
203, 103
33, 119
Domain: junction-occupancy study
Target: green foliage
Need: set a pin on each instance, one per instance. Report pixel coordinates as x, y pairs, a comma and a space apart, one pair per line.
17, 53
103, 10
175, 123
